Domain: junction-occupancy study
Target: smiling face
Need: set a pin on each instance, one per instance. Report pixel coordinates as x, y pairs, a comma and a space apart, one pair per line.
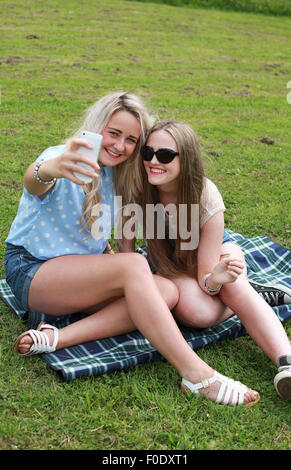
120, 137
163, 175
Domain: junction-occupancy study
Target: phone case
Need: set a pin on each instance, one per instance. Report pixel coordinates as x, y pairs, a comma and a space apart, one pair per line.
95, 140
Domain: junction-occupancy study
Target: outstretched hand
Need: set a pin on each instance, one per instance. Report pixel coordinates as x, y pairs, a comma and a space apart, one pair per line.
227, 270
66, 164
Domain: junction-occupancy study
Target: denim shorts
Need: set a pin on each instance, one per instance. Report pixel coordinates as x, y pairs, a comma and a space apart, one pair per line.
20, 268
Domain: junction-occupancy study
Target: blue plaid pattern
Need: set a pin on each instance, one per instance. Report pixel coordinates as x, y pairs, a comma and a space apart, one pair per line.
266, 261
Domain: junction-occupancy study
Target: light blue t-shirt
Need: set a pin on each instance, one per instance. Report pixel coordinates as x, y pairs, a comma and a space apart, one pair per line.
51, 226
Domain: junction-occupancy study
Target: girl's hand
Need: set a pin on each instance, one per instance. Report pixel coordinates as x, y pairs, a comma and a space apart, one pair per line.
227, 270
65, 165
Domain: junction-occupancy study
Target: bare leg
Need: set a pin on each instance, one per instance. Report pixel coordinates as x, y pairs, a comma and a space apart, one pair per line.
196, 308
256, 315
73, 283
59, 289
111, 320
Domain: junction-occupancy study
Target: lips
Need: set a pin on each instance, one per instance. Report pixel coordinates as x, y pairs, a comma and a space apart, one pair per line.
157, 171
112, 154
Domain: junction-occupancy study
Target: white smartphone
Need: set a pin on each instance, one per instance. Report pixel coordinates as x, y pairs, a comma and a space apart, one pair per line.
95, 140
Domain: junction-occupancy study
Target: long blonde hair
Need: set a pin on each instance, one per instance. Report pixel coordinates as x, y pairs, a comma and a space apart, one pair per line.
95, 120
166, 255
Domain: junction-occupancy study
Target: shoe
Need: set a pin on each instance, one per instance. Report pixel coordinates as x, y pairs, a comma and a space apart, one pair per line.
282, 380
273, 294
227, 387
40, 340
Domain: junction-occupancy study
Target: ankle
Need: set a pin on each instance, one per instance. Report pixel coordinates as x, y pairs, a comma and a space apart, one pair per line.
198, 375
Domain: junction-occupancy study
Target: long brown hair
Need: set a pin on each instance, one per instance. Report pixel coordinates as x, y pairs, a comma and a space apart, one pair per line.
166, 255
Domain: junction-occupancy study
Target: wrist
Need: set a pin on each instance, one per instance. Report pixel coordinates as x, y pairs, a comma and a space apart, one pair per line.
39, 175
211, 285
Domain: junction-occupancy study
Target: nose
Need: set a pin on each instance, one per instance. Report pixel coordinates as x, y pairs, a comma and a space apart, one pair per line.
154, 160
120, 144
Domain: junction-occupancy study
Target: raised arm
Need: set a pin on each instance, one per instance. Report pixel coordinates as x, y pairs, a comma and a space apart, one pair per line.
62, 166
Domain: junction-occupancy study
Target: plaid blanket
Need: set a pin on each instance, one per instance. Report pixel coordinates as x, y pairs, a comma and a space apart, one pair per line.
266, 261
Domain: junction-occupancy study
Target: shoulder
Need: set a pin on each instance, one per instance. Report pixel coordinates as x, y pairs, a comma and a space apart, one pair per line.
211, 201
209, 191
208, 184
52, 152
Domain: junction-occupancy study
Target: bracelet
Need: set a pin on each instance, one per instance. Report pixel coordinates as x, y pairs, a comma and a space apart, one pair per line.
37, 177
208, 288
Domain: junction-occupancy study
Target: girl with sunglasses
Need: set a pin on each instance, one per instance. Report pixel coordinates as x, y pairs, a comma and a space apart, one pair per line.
212, 279
53, 268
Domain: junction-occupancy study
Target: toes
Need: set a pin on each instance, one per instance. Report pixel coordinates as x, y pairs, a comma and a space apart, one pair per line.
24, 344
251, 396
25, 340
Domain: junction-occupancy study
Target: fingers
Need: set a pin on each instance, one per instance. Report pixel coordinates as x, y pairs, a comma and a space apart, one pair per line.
224, 255
74, 144
72, 170
73, 147
231, 266
71, 162
231, 262
75, 157
234, 267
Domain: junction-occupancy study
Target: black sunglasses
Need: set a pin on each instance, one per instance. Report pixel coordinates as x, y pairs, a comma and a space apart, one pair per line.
163, 155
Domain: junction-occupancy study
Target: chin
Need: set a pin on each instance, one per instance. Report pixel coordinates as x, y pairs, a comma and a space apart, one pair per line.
108, 161
154, 178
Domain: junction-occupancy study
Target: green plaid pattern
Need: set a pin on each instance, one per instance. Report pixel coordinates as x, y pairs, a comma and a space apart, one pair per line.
266, 261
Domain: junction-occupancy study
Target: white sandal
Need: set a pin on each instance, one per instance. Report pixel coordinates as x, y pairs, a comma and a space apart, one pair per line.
228, 386
41, 343
282, 380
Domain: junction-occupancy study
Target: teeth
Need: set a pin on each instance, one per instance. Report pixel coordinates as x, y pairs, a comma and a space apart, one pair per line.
113, 154
159, 172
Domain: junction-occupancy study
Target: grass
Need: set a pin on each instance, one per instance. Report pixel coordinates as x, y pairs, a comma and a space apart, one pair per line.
226, 74
267, 7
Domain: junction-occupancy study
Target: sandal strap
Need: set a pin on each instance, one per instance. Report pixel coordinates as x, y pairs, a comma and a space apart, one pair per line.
227, 386
196, 387
44, 325
41, 343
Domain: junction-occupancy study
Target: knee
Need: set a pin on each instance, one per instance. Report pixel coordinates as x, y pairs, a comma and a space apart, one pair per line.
195, 316
236, 293
235, 251
136, 265
235, 289
169, 292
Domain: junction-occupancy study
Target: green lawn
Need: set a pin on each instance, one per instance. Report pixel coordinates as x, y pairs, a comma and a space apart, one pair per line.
226, 74
267, 7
